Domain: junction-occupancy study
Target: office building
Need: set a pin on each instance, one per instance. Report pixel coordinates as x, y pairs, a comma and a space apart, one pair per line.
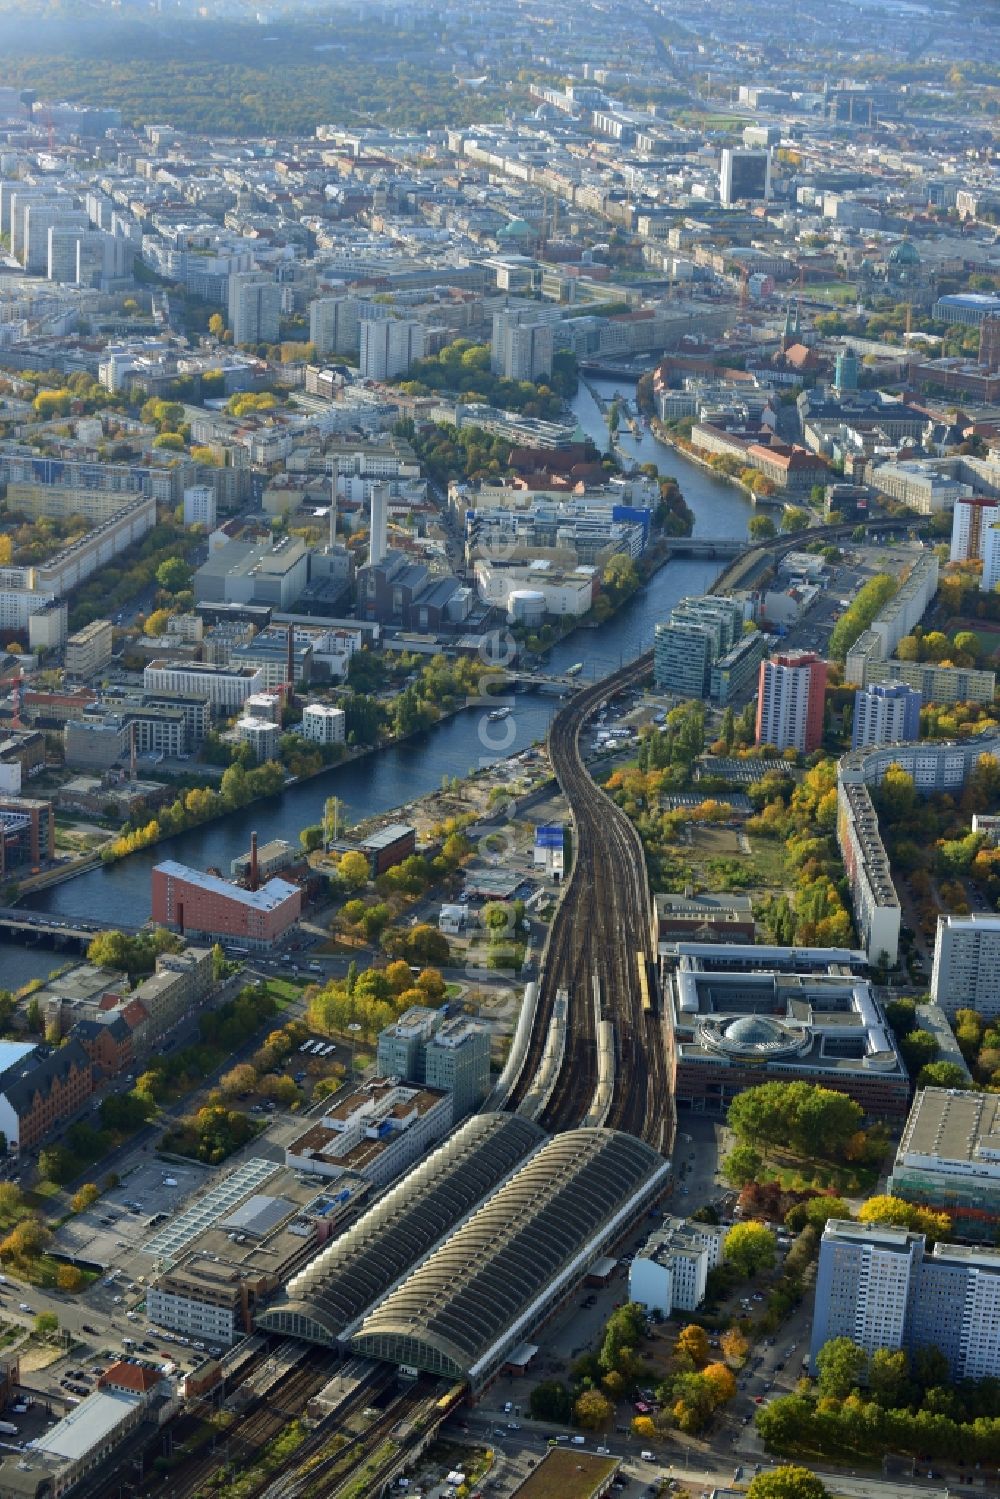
966, 971
27, 835
972, 515
698, 633
745, 1014
669, 1272
323, 724
744, 175
879, 1286
948, 1158
254, 308
735, 674
205, 905
388, 346
200, 506
424, 1047
522, 345
225, 688
41, 1089
790, 693
885, 715
873, 895
376, 1132
334, 326
88, 651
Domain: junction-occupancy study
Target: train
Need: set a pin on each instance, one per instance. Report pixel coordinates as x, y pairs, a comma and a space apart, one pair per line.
644, 990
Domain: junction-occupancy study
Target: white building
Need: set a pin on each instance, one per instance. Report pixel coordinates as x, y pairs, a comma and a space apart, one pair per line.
378, 535
200, 506
334, 325
376, 1133
388, 346
262, 735
966, 971
973, 513
523, 344
225, 688
670, 1270
991, 556
323, 724
254, 308
564, 593
873, 895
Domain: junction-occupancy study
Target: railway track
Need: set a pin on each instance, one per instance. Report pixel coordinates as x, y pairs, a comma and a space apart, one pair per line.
600, 934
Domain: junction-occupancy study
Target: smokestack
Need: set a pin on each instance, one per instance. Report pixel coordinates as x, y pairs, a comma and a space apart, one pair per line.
333, 511
254, 872
290, 666
377, 533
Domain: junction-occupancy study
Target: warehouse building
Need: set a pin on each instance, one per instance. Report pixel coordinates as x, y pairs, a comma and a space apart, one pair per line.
467, 1307
326, 1301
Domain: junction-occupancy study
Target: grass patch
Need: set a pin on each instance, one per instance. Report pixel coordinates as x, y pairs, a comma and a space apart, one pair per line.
284, 991
768, 856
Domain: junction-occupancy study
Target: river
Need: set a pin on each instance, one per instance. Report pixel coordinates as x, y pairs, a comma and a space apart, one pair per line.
120, 892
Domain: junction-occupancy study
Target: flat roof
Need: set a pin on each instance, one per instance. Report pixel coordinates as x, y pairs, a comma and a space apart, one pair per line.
568, 1473
13, 1052
952, 1125
267, 898
87, 1425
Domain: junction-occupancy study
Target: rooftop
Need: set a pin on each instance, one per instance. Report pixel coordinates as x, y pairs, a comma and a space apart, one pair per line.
268, 898
953, 1126
87, 1425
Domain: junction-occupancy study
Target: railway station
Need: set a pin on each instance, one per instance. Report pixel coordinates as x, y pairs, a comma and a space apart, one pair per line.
328, 1298
495, 1278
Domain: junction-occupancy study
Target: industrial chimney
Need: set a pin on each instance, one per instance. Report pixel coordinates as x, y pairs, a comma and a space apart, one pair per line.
254, 877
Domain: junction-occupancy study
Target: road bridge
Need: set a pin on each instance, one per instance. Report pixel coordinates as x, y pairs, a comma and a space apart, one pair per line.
31, 927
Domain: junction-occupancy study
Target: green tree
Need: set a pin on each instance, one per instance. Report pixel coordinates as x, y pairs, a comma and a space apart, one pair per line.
840, 1367
46, 1323
787, 1482
173, 575
761, 528
741, 1165
550, 1401
943, 1075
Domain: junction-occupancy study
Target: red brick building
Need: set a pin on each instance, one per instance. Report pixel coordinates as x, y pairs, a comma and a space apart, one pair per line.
40, 1089
205, 905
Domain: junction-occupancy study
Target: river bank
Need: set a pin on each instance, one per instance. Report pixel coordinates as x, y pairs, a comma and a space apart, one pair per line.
669, 439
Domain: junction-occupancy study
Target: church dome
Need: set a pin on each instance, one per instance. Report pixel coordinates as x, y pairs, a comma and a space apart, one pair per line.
904, 254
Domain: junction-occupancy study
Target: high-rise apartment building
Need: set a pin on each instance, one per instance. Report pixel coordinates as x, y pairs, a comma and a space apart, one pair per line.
878, 1286
863, 1284
885, 715
200, 506
254, 308
971, 516
744, 175
990, 543
966, 971
378, 534
523, 344
790, 692
334, 325
388, 346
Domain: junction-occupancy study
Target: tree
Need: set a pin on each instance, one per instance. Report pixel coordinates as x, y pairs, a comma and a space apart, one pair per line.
55, 1163
239, 1081
943, 1075
749, 1248
70, 1279
761, 528
918, 1048
889, 1377
593, 1410
885, 1208
33, 1016
722, 1381
793, 518
156, 623
217, 325
735, 1346
741, 1165
550, 1401
692, 1342
841, 1366
643, 1426
174, 575
46, 1323
85, 1197
353, 869
787, 1482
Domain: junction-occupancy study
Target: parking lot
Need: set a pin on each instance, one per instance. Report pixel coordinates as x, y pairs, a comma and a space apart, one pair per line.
124, 1217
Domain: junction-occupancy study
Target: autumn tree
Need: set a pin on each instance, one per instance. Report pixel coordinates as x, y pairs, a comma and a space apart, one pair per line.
750, 1248
353, 869
735, 1346
593, 1410
85, 1197
787, 1482
692, 1342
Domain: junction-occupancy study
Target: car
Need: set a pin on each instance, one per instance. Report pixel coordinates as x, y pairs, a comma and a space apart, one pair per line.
117, 1300
604, 1451
758, 1400
508, 1406
86, 1327
23, 1306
